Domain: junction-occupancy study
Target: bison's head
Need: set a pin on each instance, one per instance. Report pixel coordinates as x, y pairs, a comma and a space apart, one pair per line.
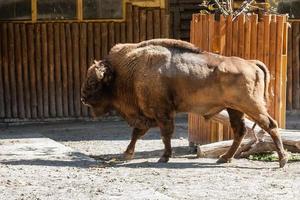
97, 88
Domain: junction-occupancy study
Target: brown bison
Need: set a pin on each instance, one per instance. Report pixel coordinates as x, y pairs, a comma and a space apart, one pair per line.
148, 82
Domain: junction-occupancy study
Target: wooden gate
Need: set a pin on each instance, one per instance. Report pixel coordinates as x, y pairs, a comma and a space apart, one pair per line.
248, 37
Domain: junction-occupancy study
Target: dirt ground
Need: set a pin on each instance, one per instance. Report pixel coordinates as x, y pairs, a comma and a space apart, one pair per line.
184, 177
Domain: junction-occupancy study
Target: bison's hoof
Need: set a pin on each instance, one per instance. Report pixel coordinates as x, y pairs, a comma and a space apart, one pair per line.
128, 156
163, 159
223, 160
283, 161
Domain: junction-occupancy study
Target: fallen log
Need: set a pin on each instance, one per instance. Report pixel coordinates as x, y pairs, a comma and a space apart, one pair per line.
256, 141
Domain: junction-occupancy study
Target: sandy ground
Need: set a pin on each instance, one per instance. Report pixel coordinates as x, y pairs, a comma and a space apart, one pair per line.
184, 177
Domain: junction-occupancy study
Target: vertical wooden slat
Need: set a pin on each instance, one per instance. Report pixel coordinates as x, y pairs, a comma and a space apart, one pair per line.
129, 22
260, 41
51, 82
205, 33
64, 70
247, 40
2, 104
235, 37
272, 64
267, 21
223, 36
82, 61
20, 89
32, 70
38, 64
229, 36
149, 24
164, 28
241, 32
12, 70
289, 69
104, 40
254, 21
44, 42
143, 25
111, 35
25, 71
97, 41
156, 21
279, 70
57, 71
117, 33
90, 45
123, 32
136, 24
69, 41
296, 67
76, 68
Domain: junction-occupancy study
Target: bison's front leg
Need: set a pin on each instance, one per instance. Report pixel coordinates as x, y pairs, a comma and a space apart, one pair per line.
166, 128
136, 134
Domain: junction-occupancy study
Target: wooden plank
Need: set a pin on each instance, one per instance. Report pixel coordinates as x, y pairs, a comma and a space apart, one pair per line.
32, 70
149, 24
86, 55
296, 68
193, 29
51, 82
223, 36
104, 40
25, 71
164, 24
123, 32
235, 37
38, 65
229, 36
111, 35
143, 25
117, 33
260, 41
241, 32
20, 89
136, 24
57, 71
279, 69
205, 40
156, 21
76, 68
247, 40
64, 70
254, 24
272, 64
129, 24
211, 31
267, 21
12, 70
45, 74
97, 41
69, 42
2, 101
290, 69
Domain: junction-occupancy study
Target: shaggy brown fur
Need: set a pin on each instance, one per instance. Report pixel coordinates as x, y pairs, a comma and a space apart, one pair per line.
148, 82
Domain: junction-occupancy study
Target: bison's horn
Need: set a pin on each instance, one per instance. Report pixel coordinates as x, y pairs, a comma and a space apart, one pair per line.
96, 62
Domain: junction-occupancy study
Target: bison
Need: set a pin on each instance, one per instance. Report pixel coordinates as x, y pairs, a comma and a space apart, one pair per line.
148, 82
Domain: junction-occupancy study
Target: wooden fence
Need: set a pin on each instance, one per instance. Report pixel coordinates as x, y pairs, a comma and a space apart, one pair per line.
42, 65
293, 70
247, 37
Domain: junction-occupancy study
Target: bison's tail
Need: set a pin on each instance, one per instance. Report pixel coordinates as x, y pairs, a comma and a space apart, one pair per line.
264, 68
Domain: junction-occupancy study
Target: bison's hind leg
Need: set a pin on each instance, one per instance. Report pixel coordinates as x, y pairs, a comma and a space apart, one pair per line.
238, 126
266, 122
